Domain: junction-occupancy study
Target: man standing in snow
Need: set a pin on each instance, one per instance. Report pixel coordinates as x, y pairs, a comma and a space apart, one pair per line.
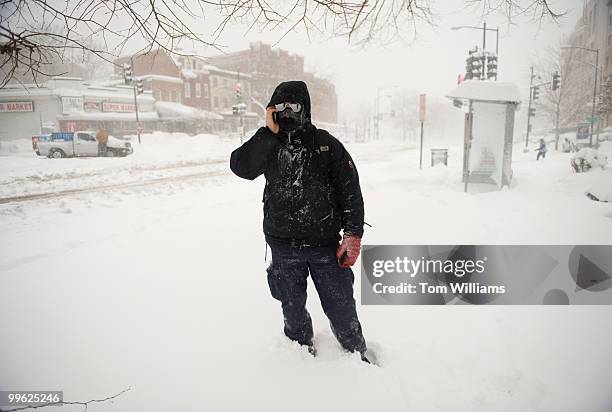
312, 192
102, 138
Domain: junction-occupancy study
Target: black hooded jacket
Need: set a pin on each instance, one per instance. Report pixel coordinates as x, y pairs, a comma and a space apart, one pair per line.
312, 185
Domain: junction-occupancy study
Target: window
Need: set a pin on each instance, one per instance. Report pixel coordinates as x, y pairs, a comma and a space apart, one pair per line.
86, 137
198, 90
206, 90
187, 90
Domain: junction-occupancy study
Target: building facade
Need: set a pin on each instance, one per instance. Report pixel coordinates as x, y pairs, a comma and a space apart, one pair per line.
69, 104
268, 67
592, 31
159, 72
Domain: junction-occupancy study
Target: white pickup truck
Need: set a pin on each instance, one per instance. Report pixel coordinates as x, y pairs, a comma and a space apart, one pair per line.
77, 144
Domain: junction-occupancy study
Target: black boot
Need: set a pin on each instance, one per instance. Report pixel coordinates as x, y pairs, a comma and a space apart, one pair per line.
312, 350
369, 357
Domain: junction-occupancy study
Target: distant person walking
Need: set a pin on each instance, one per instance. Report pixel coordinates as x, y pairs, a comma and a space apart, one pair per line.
541, 150
102, 138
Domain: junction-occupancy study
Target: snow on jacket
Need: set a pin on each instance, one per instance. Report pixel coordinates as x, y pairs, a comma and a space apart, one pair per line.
312, 186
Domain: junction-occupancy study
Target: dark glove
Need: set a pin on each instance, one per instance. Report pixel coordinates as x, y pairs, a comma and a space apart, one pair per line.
348, 251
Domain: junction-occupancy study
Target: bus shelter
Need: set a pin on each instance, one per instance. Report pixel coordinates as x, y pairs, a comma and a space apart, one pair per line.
489, 108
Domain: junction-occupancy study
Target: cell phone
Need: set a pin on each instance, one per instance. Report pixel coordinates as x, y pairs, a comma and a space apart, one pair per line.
275, 117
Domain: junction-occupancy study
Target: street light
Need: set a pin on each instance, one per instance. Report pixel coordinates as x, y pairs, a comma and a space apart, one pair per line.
484, 29
377, 108
596, 51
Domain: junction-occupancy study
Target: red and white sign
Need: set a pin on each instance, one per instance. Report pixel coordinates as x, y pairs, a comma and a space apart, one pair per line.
91, 106
118, 107
13, 107
422, 107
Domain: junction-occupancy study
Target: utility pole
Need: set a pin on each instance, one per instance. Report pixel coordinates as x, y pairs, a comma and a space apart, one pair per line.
556, 86
136, 93
422, 111
484, 36
467, 145
594, 94
557, 114
529, 108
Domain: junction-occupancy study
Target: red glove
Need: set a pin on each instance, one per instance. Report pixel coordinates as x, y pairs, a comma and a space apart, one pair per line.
348, 251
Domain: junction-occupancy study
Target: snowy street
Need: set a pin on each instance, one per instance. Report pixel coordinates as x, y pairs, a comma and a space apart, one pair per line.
149, 272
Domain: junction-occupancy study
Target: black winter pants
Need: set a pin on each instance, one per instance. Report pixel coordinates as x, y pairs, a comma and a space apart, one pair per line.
287, 277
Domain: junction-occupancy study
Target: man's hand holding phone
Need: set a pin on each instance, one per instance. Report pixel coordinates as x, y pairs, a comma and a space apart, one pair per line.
270, 123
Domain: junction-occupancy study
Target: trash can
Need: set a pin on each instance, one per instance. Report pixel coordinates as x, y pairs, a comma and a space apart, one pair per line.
439, 156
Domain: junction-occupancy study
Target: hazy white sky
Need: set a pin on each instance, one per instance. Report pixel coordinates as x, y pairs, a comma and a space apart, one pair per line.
430, 64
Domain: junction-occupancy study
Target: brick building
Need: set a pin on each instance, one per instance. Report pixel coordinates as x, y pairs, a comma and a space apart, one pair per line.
223, 89
159, 73
196, 81
268, 67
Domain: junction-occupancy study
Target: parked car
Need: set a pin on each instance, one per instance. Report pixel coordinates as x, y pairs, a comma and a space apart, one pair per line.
78, 144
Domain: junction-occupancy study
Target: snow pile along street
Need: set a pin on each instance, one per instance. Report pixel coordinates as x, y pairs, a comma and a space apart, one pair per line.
163, 288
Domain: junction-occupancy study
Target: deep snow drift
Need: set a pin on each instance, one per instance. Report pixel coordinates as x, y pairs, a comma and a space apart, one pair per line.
162, 287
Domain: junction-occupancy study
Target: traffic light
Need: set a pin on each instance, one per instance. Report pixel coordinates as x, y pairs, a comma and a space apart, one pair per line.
556, 80
468, 69
536, 93
491, 65
139, 86
473, 65
239, 108
477, 67
238, 92
532, 112
127, 73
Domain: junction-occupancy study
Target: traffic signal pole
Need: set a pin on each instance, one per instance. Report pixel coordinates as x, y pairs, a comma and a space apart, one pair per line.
594, 96
529, 108
135, 102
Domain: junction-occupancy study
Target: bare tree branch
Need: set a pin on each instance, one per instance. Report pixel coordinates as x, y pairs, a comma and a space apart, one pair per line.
29, 45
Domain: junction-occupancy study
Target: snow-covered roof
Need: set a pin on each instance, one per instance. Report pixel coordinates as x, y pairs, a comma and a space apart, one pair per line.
223, 71
484, 90
176, 110
110, 116
161, 78
22, 92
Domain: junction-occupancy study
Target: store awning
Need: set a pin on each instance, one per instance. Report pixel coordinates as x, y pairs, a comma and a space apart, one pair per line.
110, 116
172, 110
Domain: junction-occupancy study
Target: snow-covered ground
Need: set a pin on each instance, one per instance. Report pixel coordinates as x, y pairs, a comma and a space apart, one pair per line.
161, 287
